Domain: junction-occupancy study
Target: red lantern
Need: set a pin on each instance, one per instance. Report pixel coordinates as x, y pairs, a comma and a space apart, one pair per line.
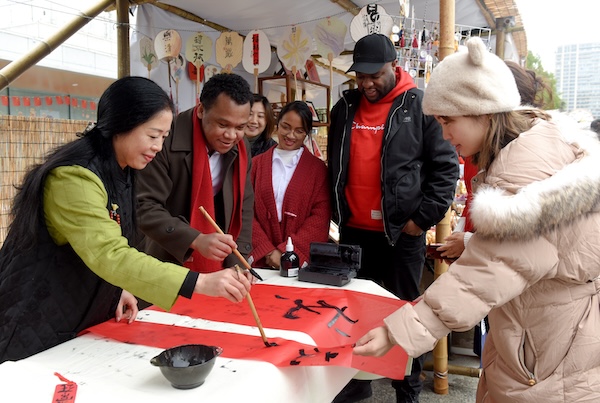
92, 105
16, 101
37, 101
74, 102
84, 104
26, 101
4, 100
67, 99
48, 101
59, 100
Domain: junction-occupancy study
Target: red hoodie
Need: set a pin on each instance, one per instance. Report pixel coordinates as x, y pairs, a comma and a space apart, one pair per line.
363, 189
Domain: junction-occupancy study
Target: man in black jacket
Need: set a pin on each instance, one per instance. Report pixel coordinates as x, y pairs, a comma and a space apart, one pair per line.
393, 177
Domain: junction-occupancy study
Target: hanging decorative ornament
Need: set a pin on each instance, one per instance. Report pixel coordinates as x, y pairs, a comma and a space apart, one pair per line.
198, 50
371, 19
167, 45
404, 8
428, 68
177, 68
229, 50
209, 71
147, 54
293, 51
329, 37
256, 54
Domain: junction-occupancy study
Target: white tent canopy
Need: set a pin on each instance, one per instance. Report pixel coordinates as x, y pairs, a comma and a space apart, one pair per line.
274, 18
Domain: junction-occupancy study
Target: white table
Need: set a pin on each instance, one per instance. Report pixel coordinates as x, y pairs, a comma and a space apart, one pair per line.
110, 371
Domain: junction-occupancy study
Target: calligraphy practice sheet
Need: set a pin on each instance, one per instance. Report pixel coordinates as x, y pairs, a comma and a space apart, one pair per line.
333, 318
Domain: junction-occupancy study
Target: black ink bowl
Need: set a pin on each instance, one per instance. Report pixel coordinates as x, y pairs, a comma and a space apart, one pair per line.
187, 366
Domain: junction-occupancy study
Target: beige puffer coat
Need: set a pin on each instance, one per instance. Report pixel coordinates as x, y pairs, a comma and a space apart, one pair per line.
533, 266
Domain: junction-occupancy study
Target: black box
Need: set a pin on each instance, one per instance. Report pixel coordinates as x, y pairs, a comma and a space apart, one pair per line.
331, 264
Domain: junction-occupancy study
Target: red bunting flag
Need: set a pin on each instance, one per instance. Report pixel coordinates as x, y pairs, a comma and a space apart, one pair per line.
26, 101
16, 101
37, 101
92, 105
4, 100
59, 100
83, 104
48, 100
74, 102
67, 99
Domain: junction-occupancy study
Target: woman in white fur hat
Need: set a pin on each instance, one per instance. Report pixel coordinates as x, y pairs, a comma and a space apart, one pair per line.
533, 265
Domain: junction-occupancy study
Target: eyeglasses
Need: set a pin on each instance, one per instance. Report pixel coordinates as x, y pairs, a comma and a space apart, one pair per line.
284, 128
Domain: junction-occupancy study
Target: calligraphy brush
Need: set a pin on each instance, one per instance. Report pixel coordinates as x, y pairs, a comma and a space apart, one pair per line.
239, 269
255, 314
235, 251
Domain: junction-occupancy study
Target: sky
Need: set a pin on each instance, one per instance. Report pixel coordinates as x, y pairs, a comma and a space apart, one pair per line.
552, 23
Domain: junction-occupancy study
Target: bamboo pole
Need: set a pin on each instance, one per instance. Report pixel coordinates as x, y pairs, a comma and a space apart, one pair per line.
447, 23
440, 352
123, 55
17, 67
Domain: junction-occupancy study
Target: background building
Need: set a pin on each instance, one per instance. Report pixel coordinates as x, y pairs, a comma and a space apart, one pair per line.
67, 83
578, 77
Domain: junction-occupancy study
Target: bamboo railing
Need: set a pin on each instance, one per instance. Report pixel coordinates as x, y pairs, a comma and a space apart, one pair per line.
25, 141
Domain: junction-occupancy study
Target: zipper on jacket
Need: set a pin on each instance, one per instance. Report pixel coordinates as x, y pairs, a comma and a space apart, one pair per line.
531, 377
383, 150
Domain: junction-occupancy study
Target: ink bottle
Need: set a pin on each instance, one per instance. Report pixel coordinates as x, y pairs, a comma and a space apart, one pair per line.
290, 263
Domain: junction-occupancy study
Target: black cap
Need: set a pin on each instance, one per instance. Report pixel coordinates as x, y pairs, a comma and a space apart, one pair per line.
371, 52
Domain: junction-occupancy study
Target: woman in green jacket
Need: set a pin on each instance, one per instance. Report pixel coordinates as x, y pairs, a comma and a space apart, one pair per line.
68, 257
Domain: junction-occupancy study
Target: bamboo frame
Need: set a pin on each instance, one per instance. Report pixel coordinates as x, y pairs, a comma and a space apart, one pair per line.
17, 67
457, 370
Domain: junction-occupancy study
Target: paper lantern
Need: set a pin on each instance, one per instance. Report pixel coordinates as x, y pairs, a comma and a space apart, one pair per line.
294, 48
229, 50
167, 45
372, 19
256, 53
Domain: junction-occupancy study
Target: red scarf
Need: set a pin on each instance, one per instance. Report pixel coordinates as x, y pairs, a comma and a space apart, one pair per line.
202, 195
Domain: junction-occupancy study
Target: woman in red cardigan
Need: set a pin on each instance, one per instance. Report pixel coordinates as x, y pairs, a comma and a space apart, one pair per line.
291, 193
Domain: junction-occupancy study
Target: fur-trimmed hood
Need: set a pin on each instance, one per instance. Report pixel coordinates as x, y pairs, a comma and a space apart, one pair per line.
539, 181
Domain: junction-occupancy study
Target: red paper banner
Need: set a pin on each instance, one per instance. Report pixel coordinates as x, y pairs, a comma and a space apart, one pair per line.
284, 353
309, 310
334, 319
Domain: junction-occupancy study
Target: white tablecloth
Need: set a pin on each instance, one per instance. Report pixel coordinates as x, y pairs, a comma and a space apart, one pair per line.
109, 371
